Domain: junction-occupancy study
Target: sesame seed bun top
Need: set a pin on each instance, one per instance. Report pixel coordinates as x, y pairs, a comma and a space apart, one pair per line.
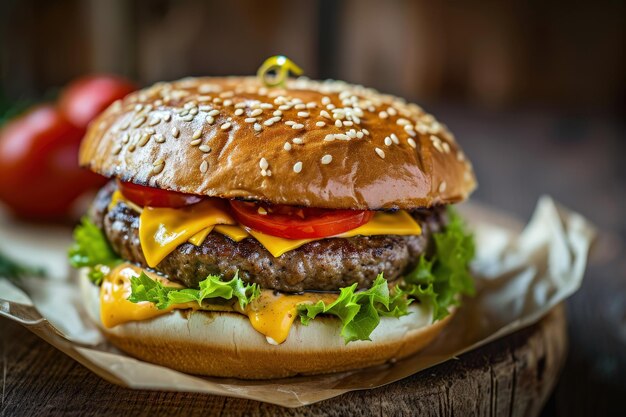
322, 144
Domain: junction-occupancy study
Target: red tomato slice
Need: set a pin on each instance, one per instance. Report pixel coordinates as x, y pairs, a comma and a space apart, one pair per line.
156, 197
298, 222
86, 97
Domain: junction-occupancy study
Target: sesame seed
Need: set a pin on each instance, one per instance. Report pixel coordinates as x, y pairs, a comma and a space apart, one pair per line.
338, 123
460, 156
158, 166
117, 149
256, 112
258, 127
144, 139
412, 143
125, 138
311, 105
205, 108
175, 132
297, 167
214, 113
325, 114
195, 142
394, 138
150, 131
325, 100
266, 106
210, 120
329, 138
262, 211
193, 111
287, 146
250, 119
297, 141
383, 115
138, 107
351, 133
442, 187
139, 121
263, 163
197, 134
159, 138
205, 148
125, 125
238, 112
188, 118
320, 124
341, 136
299, 106
326, 159
388, 141
411, 132
347, 123
155, 121
365, 132
402, 122
380, 152
225, 126
277, 113
167, 117
204, 167
392, 111
298, 126
228, 103
284, 107
290, 123
268, 122
303, 114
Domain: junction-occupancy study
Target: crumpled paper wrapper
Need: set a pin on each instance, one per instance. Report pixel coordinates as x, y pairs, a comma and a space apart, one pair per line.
520, 276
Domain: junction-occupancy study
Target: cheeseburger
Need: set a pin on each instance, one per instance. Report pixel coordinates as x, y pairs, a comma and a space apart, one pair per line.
259, 231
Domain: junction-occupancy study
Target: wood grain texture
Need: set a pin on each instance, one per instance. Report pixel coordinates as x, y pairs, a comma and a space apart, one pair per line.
509, 377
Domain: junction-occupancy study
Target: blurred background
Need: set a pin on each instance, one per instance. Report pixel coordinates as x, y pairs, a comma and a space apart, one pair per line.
534, 91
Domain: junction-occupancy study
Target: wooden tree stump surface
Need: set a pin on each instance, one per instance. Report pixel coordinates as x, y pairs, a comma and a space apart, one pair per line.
511, 376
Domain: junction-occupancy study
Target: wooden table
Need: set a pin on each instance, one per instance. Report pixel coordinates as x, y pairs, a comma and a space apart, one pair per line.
518, 157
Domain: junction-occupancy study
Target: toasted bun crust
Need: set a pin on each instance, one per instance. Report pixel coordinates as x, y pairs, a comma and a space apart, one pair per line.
226, 345
319, 144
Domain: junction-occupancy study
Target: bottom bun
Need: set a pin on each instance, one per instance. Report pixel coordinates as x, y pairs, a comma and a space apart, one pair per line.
225, 344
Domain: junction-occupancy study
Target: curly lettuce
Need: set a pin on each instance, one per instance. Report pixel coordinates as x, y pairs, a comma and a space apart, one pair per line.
91, 249
440, 280
359, 312
144, 288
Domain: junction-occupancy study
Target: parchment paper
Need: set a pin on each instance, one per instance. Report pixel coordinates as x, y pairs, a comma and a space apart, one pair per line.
520, 276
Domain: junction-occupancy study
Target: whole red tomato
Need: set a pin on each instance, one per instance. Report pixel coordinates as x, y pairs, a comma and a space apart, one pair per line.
86, 97
39, 173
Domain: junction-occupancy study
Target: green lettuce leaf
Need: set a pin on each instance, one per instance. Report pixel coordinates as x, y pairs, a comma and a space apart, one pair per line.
144, 288
440, 279
359, 312
91, 249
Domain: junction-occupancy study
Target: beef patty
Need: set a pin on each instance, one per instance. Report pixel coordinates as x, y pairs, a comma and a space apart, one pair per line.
322, 265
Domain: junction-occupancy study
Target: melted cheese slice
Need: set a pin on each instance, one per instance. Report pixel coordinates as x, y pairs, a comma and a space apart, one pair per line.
270, 314
161, 230
116, 309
